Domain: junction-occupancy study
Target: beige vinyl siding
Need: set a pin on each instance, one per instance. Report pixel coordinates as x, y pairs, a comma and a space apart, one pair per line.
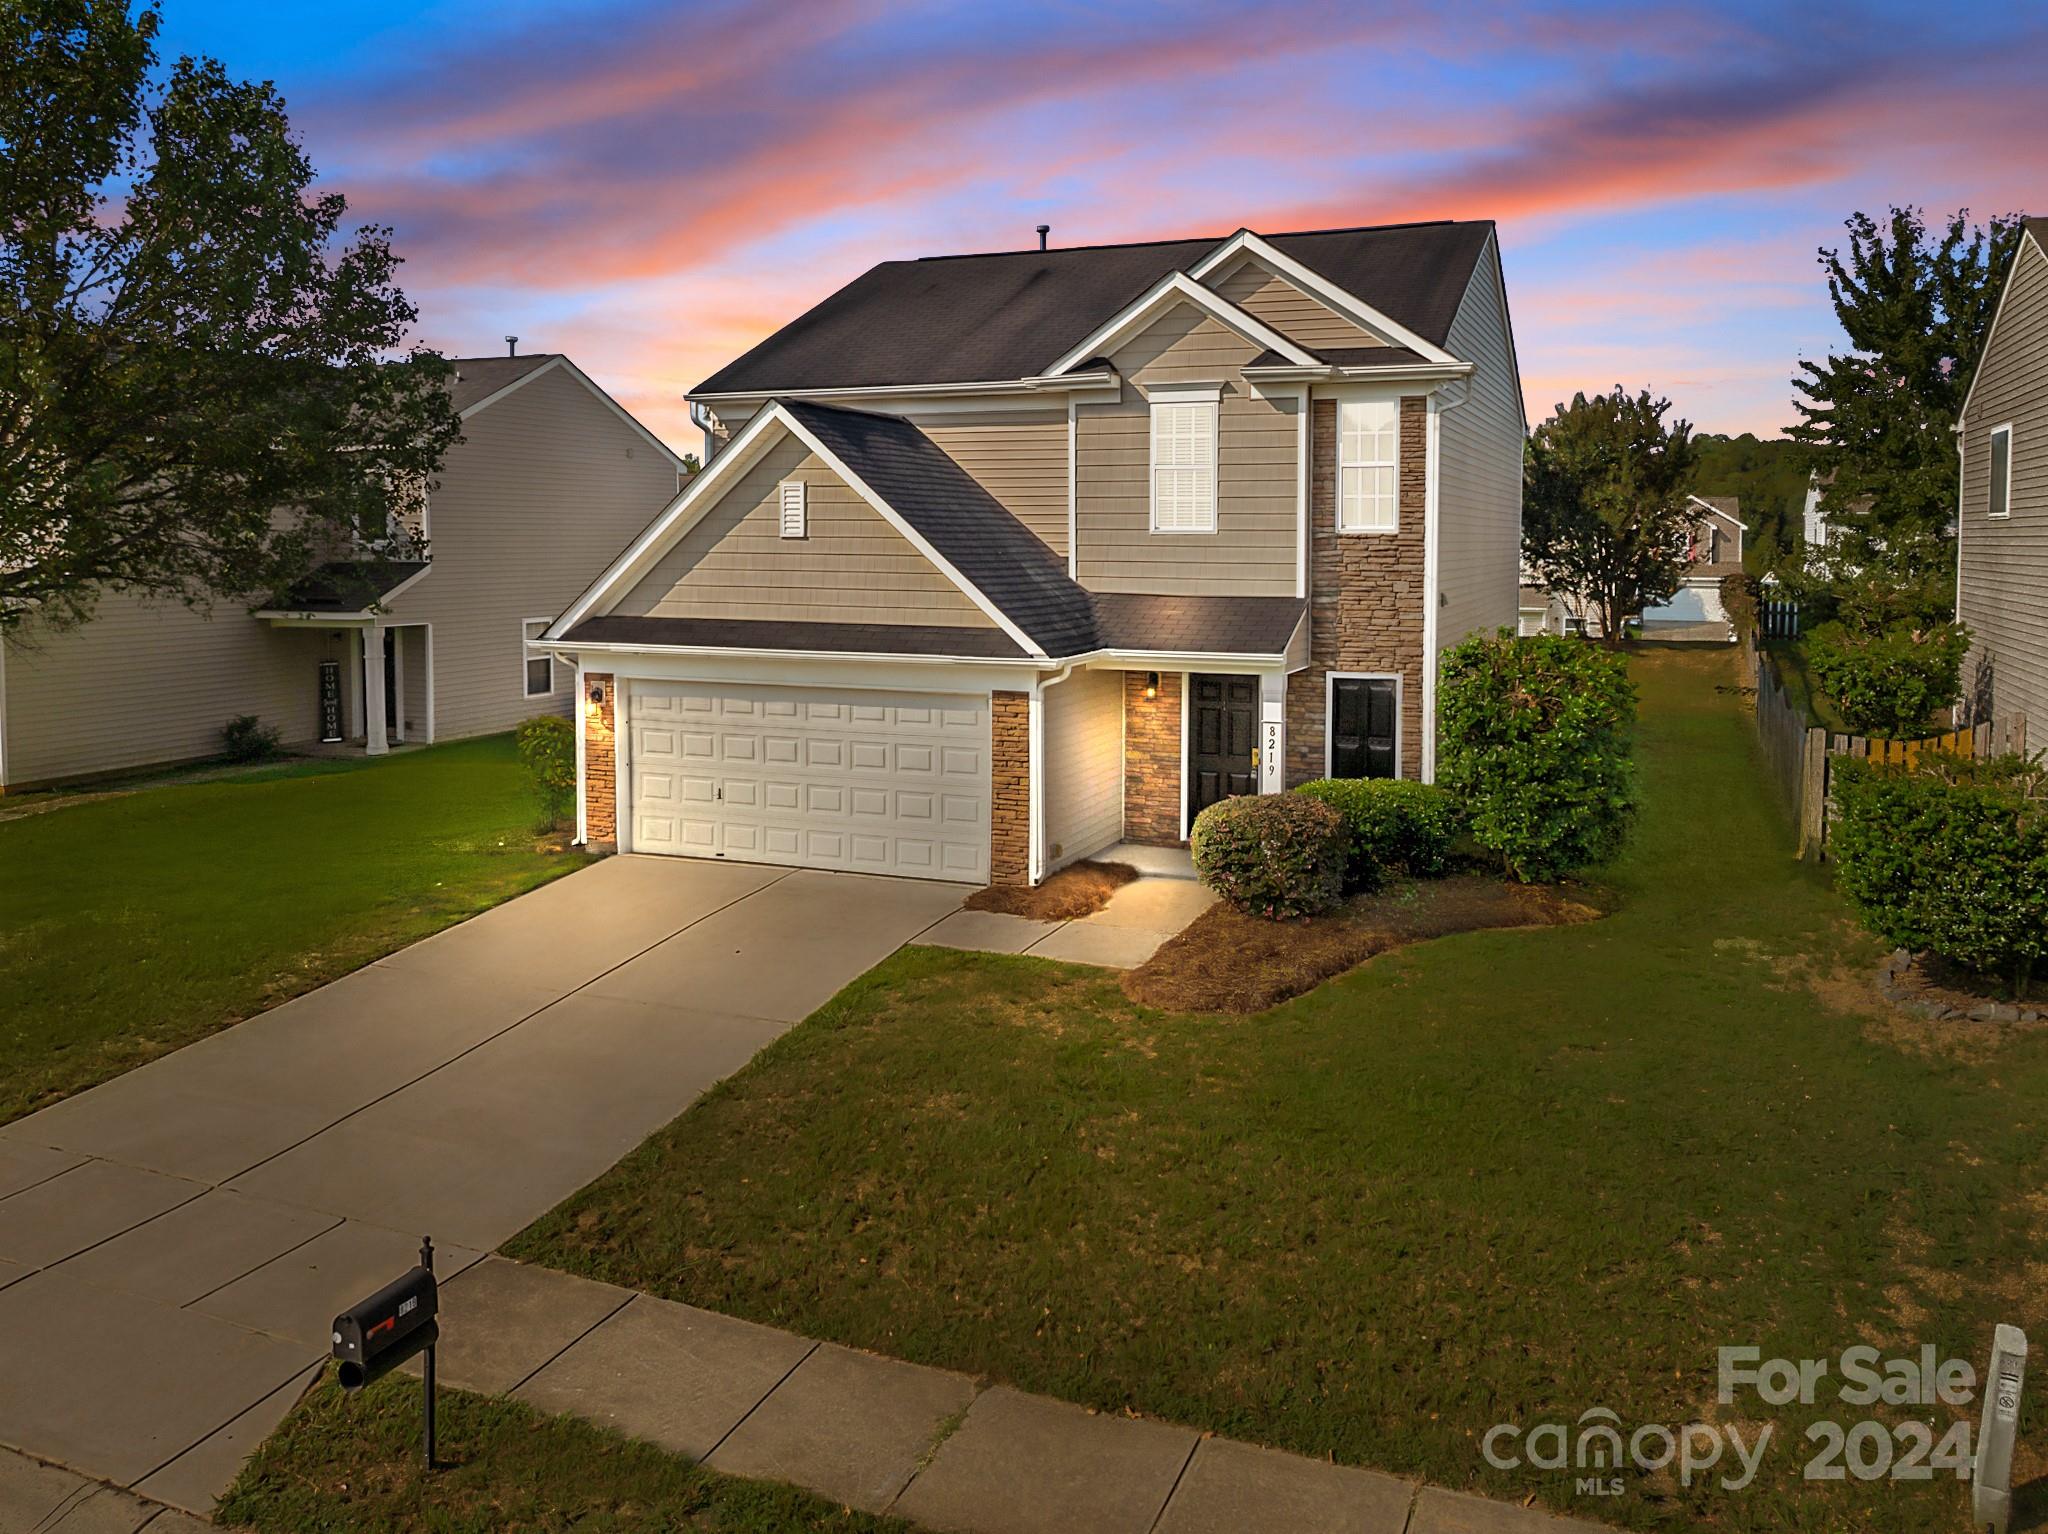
1272, 298
1252, 551
1019, 457
1479, 456
2004, 562
853, 567
151, 682
545, 488
1084, 765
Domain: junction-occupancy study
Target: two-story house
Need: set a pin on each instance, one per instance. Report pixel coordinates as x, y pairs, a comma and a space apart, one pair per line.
549, 478
2002, 513
1000, 560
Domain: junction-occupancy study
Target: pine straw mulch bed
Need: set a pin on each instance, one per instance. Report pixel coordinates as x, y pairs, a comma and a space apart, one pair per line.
1226, 961
1080, 889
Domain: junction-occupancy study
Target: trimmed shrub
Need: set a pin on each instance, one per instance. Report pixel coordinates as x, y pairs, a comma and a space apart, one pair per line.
1535, 744
245, 738
1395, 825
1272, 855
1890, 681
1950, 856
547, 749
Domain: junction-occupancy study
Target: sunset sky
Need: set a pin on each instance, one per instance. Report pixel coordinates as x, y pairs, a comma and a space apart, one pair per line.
653, 187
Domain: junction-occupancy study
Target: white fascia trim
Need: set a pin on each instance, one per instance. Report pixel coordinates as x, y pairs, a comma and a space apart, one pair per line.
1432, 597
1037, 384
1321, 288
1173, 288
674, 520
592, 647
1991, 335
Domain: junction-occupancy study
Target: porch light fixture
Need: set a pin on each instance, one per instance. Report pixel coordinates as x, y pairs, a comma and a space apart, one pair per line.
1151, 686
597, 693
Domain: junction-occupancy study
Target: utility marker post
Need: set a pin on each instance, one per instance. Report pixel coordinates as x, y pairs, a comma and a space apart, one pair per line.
1991, 1479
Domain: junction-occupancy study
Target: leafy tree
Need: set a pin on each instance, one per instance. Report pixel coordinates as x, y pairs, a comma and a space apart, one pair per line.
1536, 746
1892, 679
1916, 305
547, 750
190, 344
1604, 514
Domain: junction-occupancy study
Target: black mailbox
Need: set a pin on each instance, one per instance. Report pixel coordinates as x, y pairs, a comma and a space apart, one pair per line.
394, 1324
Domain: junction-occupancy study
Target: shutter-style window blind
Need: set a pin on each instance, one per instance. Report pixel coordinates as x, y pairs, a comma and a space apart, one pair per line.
1184, 467
793, 509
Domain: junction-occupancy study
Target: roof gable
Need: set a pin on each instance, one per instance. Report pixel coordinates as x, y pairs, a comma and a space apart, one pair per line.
2034, 237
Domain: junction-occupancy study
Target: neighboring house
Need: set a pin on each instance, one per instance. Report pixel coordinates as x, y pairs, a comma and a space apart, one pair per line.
1001, 560
1713, 553
2002, 512
1816, 531
1545, 612
550, 477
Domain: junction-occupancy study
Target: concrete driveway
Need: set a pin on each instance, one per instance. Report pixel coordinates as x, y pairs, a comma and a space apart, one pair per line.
174, 1243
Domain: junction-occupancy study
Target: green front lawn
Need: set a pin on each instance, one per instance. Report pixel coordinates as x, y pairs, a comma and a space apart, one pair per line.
135, 923
347, 1464
1502, 1177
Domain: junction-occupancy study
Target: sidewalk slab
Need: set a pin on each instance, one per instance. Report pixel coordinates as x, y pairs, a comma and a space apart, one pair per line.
847, 1425
83, 1207
115, 1385
35, 1496
1154, 905
195, 1480
1089, 942
674, 1375
197, 1247
1230, 1487
502, 1321
1023, 1464
1455, 1512
24, 1164
297, 1296
989, 932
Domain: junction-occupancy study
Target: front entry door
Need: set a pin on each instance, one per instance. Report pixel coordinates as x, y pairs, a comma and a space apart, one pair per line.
1365, 721
1222, 734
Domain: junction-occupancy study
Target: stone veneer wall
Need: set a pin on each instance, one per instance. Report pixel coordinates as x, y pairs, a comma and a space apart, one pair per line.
600, 790
1366, 594
1009, 730
1152, 738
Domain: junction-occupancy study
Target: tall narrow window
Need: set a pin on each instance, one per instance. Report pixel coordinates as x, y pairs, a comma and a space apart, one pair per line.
2001, 471
793, 509
1184, 461
1369, 466
539, 664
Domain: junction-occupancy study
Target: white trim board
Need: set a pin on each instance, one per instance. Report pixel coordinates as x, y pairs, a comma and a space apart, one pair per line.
2005, 291
1175, 288
1320, 288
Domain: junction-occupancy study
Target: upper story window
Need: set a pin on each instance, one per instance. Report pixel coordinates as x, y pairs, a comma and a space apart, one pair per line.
1369, 466
537, 664
2001, 471
1184, 457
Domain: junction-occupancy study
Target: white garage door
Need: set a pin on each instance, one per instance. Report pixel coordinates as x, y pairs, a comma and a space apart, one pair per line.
888, 783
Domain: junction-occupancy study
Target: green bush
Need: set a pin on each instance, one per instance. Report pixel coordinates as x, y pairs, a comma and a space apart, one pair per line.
547, 748
1534, 743
1394, 824
1272, 855
1949, 856
245, 738
1890, 681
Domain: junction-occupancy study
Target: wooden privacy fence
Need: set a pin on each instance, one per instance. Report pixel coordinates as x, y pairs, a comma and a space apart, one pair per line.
1799, 757
1778, 618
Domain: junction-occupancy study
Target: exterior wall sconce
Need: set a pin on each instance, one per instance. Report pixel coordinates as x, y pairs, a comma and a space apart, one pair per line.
597, 693
1151, 686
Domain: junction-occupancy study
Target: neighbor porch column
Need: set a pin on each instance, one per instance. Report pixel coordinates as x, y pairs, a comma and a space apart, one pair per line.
374, 743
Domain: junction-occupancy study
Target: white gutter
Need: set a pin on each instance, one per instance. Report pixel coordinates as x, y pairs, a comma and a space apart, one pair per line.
1037, 384
1133, 660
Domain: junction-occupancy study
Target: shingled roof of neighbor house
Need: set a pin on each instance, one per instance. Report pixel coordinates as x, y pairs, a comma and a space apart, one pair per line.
1196, 625
822, 638
478, 378
345, 585
1012, 314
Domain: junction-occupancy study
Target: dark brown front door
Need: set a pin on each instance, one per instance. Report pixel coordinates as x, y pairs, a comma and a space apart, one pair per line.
1222, 733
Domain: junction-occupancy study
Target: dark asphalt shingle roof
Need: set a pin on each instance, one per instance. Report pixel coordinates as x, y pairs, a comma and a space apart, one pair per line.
1196, 625
971, 530
1347, 357
480, 377
966, 319
345, 585
758, 634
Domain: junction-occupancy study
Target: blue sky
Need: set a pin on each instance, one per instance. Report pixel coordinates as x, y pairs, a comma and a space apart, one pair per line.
653, 187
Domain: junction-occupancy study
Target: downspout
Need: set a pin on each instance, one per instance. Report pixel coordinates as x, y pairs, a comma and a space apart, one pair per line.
1037, 857
1432, 599
700, 417
582, 775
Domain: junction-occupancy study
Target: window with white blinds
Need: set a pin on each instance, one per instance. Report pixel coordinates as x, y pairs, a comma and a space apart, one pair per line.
1184, 466
1368, 466
793, 509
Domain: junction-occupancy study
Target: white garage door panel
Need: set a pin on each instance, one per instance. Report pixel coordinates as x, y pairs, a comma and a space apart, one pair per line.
877, 782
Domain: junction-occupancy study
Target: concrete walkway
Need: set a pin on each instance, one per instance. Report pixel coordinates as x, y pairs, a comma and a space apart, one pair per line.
941, 1449
174, 1243
1122, 935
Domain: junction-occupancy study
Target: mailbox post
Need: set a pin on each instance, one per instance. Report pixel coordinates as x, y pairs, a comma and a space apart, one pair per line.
397, 1323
